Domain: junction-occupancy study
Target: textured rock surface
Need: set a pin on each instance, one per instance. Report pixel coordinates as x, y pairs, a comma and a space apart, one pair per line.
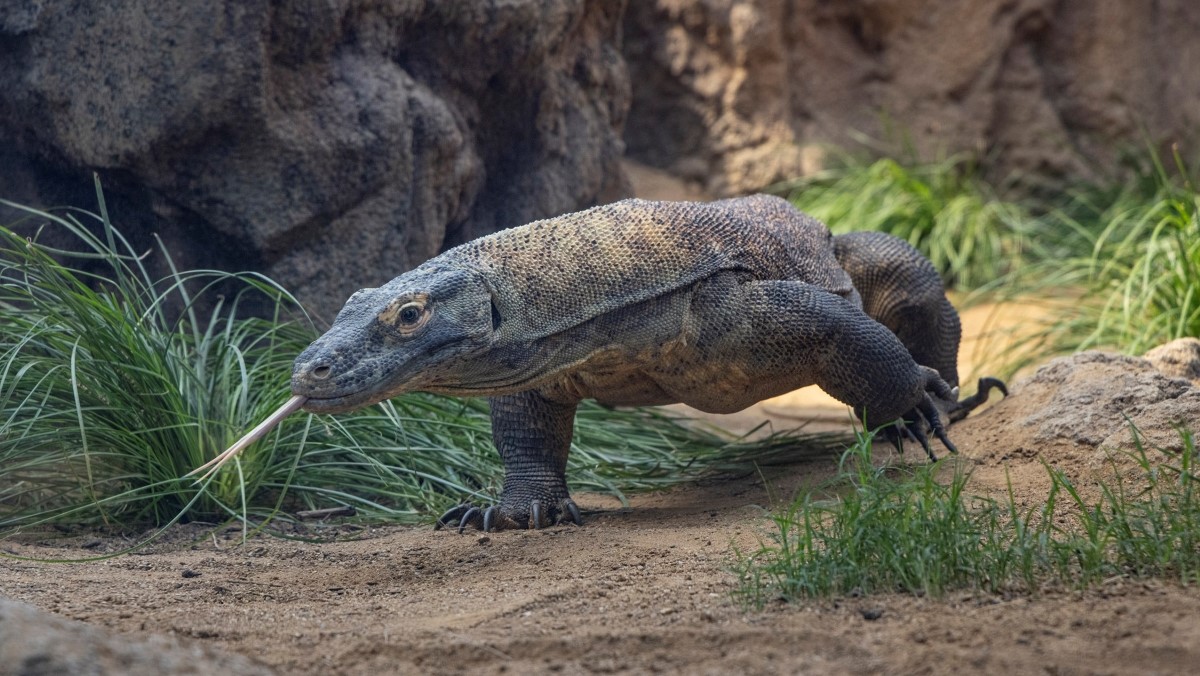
329, 143
1178, 359
735, 93
37, 643
1081, 407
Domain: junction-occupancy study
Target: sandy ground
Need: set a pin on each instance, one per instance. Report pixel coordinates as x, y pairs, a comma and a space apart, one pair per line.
644, 590
647, 589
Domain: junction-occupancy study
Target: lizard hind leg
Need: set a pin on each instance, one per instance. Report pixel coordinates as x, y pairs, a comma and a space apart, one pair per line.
902, 290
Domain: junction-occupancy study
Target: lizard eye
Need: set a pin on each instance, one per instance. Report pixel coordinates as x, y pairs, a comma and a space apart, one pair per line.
409, 314
406, 315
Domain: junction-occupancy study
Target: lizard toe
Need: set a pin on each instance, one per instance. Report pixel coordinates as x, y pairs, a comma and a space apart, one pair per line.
534, 515
565, 511
568, 508
452, 516
930, 413
472, 517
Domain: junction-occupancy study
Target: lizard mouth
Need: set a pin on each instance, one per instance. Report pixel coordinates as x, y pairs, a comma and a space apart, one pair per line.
340, 404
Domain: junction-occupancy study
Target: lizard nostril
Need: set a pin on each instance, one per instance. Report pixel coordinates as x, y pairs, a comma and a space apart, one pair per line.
321, 372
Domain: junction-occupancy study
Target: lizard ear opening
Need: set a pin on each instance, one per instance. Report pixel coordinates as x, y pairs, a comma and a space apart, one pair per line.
495, 316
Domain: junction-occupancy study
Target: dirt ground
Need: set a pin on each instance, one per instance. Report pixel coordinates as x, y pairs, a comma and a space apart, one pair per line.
644, 589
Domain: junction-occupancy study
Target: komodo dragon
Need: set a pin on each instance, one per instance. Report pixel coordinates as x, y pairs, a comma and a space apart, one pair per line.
716, 305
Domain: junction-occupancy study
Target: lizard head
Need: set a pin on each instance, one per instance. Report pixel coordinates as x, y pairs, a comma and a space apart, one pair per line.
396, 338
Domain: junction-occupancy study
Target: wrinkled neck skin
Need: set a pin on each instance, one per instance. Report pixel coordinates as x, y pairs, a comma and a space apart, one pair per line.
499, 369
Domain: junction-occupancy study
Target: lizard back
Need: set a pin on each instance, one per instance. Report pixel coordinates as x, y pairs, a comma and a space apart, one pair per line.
554, 274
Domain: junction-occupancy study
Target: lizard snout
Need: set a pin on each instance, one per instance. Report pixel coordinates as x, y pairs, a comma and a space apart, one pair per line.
315, 371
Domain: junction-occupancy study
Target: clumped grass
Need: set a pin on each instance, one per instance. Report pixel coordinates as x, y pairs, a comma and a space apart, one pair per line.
1113, 264
890, 530
1128, 257
103, 394
109, 393
1149, 529
903, 530
941, 208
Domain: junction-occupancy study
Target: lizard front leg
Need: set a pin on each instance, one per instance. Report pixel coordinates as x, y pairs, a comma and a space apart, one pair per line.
533, 434
799, 334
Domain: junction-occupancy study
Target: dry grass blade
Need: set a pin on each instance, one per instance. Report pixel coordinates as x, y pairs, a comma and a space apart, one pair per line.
291, 406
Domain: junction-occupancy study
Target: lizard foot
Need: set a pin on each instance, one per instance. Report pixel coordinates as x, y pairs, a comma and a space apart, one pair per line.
495, 517
924, 416
912, 426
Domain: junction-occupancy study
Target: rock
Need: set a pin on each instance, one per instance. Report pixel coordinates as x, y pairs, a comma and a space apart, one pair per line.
1179, 358
34, 642
655, 184
739, 93
1084, 405
330, 144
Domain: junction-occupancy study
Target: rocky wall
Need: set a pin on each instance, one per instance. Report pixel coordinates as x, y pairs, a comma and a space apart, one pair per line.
331, 144
738, 94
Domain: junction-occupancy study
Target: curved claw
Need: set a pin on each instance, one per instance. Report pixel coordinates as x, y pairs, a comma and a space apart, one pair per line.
569, 507
940, 433
535, 514
492, 518
895, 434
471, 517
929, 412
451, 515
984, 389
914, 428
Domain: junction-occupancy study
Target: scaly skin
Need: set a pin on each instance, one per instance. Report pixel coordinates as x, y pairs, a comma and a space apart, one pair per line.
716, 305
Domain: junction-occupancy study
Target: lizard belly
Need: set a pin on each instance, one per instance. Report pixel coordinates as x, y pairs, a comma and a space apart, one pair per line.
675, 375
725, 386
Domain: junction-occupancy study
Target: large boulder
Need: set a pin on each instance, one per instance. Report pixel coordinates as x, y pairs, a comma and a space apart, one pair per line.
329, 143
737, 94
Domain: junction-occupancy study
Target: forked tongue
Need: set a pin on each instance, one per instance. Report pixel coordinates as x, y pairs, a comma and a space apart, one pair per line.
252, 436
